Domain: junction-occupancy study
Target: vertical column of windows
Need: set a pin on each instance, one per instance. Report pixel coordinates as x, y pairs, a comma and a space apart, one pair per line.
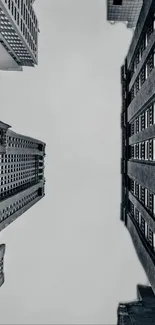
142, 225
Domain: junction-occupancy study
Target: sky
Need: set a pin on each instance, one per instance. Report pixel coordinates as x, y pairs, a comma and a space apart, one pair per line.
69, 259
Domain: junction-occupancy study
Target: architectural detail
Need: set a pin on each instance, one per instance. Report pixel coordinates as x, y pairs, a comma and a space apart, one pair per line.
18, 34
21, 174
124, 10
138, 140
2, 252
140, 312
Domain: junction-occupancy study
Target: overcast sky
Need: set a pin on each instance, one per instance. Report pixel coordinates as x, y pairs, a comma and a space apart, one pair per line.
69, 259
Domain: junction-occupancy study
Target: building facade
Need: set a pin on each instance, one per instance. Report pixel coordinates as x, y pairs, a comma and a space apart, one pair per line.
138, 140
2, 252
124, 10
21, 174
18, 34
140, 312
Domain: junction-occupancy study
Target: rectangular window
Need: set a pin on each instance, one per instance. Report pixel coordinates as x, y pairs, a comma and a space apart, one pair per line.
151, 149
12, 8
143, 150
142, 198
154, 149
153, 112
142, 225
143, 74
150, 237
146, 71
146, 197
151, 115
140, 156
137, 191
146, 118
146, 230
137, 125
137, 215
150, 203
154, 204
153, 240
146, 150
137, 151
143, 121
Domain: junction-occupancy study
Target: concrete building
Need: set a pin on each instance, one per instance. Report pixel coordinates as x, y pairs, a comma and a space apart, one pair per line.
18, 35
21, 174
124, 10
140, 312
2, 252
138, 140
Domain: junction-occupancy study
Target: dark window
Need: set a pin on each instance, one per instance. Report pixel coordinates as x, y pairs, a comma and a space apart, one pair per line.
142, 225
151, 117
117, 2
150, 237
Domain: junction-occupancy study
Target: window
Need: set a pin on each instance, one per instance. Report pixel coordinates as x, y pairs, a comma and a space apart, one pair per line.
146, 230
154, 204
12, 7
137, 125
117, 2
142, 225
146, 197
150, 237
140, 154
153, 240
146, 70
153, 149
146, 118
137, 151
146, 150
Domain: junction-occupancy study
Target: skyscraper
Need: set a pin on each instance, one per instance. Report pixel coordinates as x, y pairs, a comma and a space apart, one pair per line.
2, 252
18, 34
140, 312
124, 10
138, 140
21, 174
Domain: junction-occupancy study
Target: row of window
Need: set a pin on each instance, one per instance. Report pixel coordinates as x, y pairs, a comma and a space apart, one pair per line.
14, 188
143, 45
143, 150
16, 168
143, 121
146, 197
28, 176
143, 226
16, 206
21, 143
4, 189
143, 75
7, 158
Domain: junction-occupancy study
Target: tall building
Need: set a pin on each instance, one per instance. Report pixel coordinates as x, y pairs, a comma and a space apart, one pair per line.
18, 34
140, 312
138, 140
124, 10
21, 174
2, 252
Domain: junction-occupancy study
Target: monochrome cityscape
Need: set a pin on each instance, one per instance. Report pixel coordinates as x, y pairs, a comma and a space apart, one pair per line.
138, 147
22, 182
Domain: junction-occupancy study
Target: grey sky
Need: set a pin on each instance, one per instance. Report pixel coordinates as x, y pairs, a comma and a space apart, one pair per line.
69, 260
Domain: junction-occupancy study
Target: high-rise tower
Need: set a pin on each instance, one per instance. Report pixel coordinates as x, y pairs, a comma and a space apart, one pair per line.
18, 34
124, 10
21, 174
